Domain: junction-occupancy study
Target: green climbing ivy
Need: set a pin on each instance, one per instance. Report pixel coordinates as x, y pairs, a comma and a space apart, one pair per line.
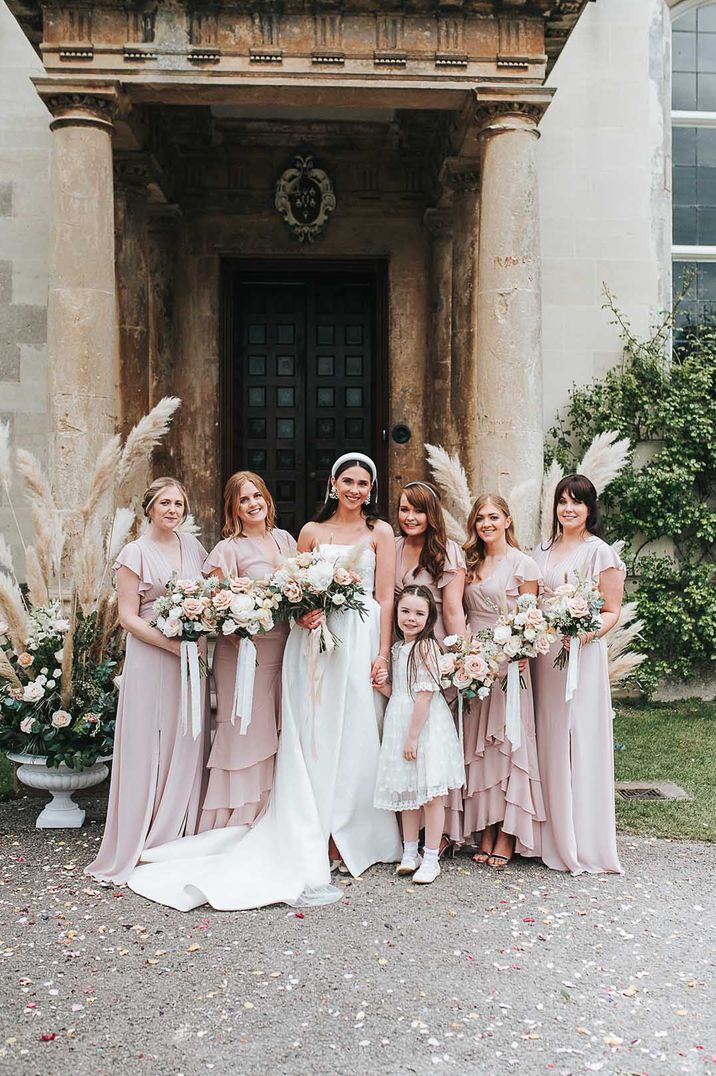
666, 405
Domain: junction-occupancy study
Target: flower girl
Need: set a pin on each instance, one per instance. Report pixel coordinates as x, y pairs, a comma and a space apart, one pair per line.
420, 757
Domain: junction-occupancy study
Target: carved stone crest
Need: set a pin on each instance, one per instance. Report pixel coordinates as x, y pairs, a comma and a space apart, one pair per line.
304, 198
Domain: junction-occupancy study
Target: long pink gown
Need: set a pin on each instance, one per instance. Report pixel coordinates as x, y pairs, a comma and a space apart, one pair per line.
575, 741
454, 563
502, 784
241, 767
157, 770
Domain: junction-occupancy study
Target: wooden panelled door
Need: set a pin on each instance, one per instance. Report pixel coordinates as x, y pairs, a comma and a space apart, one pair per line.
302, 380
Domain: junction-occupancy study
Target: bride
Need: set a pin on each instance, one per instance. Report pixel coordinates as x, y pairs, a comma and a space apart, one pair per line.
328, 750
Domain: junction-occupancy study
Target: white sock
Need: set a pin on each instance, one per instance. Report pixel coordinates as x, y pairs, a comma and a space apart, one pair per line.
430, 853
410, 848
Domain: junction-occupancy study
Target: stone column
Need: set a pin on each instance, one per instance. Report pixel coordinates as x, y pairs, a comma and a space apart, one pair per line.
438, 223
506, 446
462, 174
81, 312
132, 281
162, 243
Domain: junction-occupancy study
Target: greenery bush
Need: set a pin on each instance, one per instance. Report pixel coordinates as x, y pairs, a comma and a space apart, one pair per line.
669, 403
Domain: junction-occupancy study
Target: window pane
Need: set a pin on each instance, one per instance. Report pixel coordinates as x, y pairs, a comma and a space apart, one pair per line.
706, 186
686, 22
684, 185
683, 145
683, 91
706, 17
706, 93
706, 53
685, 225
685, 52
706, 235
706, 146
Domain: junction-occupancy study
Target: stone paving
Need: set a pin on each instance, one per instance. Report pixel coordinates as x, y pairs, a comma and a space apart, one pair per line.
524, 972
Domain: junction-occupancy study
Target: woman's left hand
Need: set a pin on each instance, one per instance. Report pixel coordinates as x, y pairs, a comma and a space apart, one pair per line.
379, 664
523, 666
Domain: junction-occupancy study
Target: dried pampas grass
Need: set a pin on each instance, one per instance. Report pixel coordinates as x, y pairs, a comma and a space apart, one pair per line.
104, 477
454, 530
68, 652
6, 562
36, 578
190, 526
523, 501
88, 567
6, 670
605, 458
143, 438
124, 519
354, 554
622, 661
13, 610
37, 487
550, 482
449, 475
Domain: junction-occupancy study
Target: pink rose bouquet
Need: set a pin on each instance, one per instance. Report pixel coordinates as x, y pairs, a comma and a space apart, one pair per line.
471, 664
186, 611
523, 632
312, 581
573, 610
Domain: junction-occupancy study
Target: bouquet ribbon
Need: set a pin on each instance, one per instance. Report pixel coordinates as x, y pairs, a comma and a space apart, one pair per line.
320, 641
572, 669
244, 685
190, 689
460, 722
513, 721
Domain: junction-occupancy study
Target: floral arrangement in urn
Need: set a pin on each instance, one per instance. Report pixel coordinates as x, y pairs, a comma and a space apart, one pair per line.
61, 643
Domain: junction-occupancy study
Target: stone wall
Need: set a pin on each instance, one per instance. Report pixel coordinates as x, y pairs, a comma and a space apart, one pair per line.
605, 182
24, 215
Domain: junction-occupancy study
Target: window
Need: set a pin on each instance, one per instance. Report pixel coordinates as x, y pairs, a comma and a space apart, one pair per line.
693, 119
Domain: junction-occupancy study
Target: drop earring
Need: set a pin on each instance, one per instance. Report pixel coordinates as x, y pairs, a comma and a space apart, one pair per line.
333, 495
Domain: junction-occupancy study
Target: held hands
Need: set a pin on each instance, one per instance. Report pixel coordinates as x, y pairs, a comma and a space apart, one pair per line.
379, 671
410, 750
312, 620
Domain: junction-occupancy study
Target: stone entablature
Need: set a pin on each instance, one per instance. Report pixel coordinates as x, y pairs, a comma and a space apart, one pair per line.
461, 41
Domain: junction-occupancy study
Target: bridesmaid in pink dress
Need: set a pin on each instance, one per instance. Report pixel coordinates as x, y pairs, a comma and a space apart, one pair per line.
425, 555
503, 797
574, 739
158, 769
241, 766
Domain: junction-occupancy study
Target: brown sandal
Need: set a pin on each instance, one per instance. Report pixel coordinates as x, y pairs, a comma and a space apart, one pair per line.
498, 866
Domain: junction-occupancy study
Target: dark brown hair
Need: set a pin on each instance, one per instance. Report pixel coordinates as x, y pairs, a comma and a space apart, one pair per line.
425, 646
425, 498
369, 511
580, 489
232, 495
474, 546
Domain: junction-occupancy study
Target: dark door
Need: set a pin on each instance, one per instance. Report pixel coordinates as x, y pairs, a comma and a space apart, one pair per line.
303, 381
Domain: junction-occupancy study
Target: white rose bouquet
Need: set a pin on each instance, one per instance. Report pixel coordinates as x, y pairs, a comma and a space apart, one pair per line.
471, 664
521, 633
573, 610
312, 581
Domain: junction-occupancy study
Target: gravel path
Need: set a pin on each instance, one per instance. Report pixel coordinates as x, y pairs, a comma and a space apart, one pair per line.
524, 972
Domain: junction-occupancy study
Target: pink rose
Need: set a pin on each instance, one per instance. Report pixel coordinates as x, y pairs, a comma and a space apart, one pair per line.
25, 660
542, 645
222, 600
26, 725
61, 719
475, 666
342, 576
187, 586
461, 679
578, 605
533, 617
446, 663
565, 588
304, 560
242, 585
292, 591
191, 608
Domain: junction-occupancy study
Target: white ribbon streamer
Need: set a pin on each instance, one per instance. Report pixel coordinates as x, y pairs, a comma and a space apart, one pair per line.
190, 689
244, 685
460, 722
572, 669
513, 716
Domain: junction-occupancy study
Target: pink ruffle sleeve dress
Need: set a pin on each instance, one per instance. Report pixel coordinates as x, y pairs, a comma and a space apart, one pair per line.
241, 766
502, 783
575, 741
157, 769
454, 564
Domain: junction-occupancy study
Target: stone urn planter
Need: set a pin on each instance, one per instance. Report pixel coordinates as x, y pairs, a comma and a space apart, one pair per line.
61, 812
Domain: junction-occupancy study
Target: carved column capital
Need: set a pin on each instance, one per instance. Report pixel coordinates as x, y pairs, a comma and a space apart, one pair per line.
74, 105
461, 174
522, 112
438, 223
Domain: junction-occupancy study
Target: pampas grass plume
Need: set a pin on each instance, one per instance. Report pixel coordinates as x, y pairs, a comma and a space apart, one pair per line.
605, 458
453, 529
13, 610
449, 475
6, 670
36, 578
549, 484
6, 562
144, 437
104, 477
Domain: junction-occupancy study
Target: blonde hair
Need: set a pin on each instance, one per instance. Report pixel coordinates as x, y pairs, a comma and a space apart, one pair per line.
474, 546
232, 493
158, 485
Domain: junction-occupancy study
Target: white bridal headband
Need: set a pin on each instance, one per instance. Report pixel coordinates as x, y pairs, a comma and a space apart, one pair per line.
353, 457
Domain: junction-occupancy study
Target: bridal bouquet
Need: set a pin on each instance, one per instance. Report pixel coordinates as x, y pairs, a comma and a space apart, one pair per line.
312, 581
573, 610
521, 633
471, 664
187, 613
244, 607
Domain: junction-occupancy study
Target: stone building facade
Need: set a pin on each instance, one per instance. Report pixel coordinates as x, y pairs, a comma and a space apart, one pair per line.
415, 313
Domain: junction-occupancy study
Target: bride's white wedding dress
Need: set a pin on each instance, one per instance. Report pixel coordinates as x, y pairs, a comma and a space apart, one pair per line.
323, 784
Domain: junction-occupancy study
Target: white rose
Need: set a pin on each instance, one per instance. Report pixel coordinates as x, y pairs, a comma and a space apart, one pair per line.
512, 646
450, 640
174, 613
57, 673
51, 683
172, 628
320, 575
241, 603
265, 619
45, 672
58, 657
61, 719
530, 634
502, 633
229, 626
33, 692
41, 680
447, 664
339, 599
483, 692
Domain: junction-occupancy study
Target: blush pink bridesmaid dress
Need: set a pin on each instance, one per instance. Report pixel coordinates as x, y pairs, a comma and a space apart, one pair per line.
157, 769
454, 563
575, 742
241, 767
502, 783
